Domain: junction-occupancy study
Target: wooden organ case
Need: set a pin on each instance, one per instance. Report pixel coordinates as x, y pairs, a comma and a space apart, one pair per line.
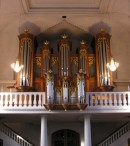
103, 56
26, 48
65, 72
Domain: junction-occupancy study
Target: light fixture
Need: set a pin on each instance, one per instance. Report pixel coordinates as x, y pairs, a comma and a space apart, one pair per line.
112, 65
16, 67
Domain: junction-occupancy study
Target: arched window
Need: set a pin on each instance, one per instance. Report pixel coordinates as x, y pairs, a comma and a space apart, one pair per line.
65, 137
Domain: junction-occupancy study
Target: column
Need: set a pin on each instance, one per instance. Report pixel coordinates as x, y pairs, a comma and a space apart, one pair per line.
87, 131
44, 137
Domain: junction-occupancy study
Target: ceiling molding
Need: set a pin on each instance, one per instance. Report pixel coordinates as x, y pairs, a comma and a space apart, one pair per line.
85, 6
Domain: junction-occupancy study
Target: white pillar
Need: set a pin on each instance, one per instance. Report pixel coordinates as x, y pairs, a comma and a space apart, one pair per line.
87, 131
44, 137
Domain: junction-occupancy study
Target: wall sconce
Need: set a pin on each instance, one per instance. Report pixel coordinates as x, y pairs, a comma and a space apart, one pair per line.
16, 67
112, 65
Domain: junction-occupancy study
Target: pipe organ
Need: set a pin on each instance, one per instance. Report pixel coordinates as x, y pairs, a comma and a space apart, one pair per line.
65, 72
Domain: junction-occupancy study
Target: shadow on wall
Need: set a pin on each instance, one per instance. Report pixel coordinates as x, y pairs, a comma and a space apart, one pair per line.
94, 29
33, 28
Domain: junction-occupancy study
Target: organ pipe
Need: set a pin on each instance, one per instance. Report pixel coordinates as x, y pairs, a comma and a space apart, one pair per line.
80, 86
46, 57
64, 47
65, 89
50, 87
83, 57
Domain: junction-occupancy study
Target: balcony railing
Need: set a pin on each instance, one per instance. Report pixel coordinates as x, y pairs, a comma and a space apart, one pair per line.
36, 100
22, 100
108, 100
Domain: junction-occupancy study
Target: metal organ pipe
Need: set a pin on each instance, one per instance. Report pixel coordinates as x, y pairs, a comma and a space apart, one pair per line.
21, 72
46, 63
107, 60
28, 66
102, 61
50, 87
46, 57
83, 56
83, 62
25, 59
64, 59
65, 91
100, 66
80, 86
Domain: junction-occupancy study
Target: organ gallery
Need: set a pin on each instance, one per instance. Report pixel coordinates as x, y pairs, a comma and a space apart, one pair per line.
64, 67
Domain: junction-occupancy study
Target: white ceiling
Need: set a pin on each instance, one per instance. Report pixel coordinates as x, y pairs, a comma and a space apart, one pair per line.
47, 13
70, 6
65, 6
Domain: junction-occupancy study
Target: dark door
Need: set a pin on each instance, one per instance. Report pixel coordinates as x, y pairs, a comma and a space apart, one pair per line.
65, 137
129, 142
1, 142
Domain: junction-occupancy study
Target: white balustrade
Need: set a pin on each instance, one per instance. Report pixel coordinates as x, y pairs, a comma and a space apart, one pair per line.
108, 100
21, 141
36, 100
22, 99
121, 131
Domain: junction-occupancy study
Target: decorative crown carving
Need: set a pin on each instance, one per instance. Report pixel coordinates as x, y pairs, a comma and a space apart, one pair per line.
46, 42
64, 36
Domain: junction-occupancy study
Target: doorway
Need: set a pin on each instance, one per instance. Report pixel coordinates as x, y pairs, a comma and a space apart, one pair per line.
65, 137
128, 141
1, 142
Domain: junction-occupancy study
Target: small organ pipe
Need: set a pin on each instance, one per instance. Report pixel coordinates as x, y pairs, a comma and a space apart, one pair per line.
100, 66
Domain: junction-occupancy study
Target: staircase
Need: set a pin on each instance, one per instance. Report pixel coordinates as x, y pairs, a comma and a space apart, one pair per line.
116, 135
14, 136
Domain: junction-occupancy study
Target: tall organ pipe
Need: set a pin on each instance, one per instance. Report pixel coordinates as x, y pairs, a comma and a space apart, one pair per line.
64, 58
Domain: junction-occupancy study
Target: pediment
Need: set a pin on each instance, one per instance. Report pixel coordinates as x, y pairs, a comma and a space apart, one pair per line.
64, 27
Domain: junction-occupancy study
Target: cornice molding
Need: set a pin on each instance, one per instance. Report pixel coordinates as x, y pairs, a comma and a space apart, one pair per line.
43, 6
7, 81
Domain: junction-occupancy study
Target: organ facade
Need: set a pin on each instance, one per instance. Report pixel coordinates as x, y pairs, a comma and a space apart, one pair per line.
65, 68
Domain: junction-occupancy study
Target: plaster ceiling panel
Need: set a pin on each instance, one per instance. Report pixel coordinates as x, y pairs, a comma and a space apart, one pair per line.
70, 6
121, 7
9, 7
63, 3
